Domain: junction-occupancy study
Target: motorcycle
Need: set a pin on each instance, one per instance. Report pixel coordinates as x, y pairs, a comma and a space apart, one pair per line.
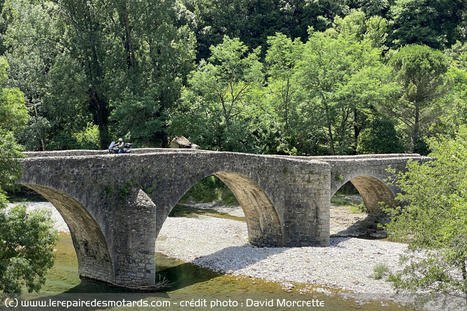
114, 149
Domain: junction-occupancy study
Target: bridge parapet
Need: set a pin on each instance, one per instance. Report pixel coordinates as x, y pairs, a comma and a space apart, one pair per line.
74, 153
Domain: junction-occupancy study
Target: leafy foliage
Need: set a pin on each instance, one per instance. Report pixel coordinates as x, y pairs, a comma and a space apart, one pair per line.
344, 77
437, 23
26, 245
421, 72
13, 113
122, 66
254, 21
13, 118
9, 166
433, 219
26, 240
217, 103
210, 189
454, 104
99, 62
88, 138
379, 137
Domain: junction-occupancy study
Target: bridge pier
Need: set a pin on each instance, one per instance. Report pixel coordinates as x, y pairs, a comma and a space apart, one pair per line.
133, 240
305, 204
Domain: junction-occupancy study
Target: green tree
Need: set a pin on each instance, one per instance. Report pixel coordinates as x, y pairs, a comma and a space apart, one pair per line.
436, 23
9, 166
26, 248
84, 23
151, 59
345, 79
26, 239
421, 72
379, 137
254, 21
454, 104
217, 112
119, 65
433, 220
281, 96
13, 118
372, 7
42, 67
13, 113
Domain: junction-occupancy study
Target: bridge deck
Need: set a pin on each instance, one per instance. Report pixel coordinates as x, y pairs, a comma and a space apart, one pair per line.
74, 153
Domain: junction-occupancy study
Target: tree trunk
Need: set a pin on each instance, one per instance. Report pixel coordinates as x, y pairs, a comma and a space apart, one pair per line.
464, 277
41, 139
100, 111
329, 125
416, 128
42, 144
356, 129
286, 110
123, 12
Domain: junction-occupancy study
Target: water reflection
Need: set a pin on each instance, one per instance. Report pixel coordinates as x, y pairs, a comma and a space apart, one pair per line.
180, 274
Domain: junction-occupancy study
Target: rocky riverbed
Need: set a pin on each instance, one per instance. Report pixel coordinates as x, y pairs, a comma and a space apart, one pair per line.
347, 264
346, 220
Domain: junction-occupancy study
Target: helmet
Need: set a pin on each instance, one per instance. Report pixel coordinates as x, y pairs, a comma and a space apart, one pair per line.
120, 139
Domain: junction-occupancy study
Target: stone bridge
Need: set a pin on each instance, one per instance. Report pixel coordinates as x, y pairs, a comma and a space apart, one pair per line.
115, 205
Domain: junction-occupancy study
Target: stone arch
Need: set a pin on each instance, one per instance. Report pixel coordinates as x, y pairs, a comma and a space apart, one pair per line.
264, 226
373, 192
94, 260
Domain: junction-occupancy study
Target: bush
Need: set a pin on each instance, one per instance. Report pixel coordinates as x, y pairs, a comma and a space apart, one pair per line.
88, 138
26, 240
26, 244
433, 220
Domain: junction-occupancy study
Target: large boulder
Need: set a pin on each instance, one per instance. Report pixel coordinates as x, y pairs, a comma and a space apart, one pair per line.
182, 142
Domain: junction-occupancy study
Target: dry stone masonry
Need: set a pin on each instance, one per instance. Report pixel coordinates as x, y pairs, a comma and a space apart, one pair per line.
116, 204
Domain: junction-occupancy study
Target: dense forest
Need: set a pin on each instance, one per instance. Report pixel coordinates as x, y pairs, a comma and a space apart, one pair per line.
306, 77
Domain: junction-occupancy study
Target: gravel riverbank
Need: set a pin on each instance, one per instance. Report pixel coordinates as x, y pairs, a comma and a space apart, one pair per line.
347, 264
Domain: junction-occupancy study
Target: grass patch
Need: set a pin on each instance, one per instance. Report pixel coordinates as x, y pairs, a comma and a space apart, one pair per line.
380, 271
355, 209
339, 200
344, 200
193, 212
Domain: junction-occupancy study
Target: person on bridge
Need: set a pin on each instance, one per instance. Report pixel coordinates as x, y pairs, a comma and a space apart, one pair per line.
120, 145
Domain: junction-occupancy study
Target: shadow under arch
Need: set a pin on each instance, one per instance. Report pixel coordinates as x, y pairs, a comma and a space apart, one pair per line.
374, 192
264, 226
94, 260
